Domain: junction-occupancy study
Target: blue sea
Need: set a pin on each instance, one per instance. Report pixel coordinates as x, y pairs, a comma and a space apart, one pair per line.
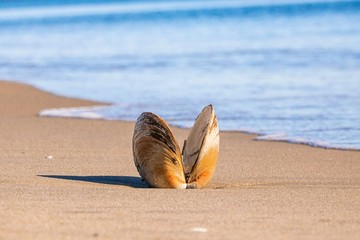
287, 70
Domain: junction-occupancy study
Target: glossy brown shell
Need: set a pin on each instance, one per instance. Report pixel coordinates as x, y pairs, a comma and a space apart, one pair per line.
156, 153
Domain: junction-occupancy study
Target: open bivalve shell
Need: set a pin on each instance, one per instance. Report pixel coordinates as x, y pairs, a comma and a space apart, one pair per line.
158, 158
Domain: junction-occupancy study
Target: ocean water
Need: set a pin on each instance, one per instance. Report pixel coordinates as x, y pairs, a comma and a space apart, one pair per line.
287, 70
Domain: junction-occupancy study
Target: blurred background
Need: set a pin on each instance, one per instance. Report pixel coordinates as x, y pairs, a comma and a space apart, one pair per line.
287, 70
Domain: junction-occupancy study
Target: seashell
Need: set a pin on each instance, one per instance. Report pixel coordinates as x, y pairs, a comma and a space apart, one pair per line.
157, 155
201, 149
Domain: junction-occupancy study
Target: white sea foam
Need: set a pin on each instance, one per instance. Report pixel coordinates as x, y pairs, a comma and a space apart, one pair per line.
75, 112
283, 137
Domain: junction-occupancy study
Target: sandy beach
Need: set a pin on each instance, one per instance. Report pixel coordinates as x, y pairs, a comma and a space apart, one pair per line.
75, 179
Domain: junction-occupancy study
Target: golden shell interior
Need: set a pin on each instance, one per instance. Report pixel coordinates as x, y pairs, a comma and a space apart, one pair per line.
202, 149
157, 155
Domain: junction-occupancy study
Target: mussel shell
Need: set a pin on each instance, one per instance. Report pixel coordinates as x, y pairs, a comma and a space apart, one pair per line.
156, 153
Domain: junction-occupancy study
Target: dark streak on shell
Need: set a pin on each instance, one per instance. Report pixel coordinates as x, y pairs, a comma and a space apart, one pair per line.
157, 131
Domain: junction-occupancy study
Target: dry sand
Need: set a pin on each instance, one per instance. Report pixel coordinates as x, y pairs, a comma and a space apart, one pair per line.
91, 189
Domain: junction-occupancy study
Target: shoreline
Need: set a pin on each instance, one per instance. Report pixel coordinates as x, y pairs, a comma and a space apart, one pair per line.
97, 104
75, 178
51, 113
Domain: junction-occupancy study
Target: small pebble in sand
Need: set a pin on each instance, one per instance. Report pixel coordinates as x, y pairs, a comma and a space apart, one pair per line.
199, 229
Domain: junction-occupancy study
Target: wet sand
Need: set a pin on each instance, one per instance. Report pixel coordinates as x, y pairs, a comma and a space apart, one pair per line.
75, 179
